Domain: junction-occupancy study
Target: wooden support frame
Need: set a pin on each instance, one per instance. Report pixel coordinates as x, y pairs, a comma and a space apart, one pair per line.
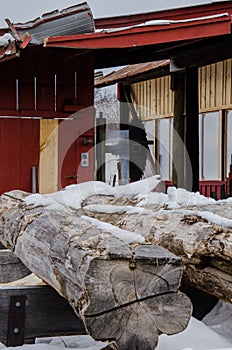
192, 130
178, 86
35, 311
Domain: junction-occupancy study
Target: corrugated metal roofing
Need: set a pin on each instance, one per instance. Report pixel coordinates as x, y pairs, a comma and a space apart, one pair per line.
72, 20
76, 19
135, 72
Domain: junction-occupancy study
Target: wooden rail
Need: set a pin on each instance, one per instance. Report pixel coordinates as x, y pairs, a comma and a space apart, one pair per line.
33, 311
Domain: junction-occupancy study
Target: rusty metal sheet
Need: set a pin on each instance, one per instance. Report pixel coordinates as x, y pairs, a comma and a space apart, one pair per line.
132, 71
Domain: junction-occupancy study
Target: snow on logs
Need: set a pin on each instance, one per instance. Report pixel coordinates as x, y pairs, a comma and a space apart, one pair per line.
122, 288
193, 227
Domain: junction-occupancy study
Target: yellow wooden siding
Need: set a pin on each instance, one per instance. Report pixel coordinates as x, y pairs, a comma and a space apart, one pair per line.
215, 86
48, 166
155, 99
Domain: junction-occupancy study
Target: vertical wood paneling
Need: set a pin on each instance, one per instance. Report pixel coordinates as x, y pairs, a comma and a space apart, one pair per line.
224, 84
19, 151
48, 170
212, 85
153, 99
203, 87
228, 82
219, 87
207, 88
158, 94
162, 97
215, 91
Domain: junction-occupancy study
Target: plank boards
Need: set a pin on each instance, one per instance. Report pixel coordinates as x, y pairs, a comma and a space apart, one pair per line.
46, 313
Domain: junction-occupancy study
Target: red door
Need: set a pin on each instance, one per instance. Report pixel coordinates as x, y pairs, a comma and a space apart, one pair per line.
19, 152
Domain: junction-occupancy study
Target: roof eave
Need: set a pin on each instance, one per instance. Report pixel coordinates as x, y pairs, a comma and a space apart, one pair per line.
145, 35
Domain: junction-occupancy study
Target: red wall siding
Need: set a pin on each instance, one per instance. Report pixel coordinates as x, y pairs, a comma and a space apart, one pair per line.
19, 151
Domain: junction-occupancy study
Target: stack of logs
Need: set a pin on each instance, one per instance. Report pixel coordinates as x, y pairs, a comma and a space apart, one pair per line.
125, 288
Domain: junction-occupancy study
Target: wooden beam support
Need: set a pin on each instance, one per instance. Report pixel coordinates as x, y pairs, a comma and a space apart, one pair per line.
178, 85
123, 92
100, 147
192, 130
46, 314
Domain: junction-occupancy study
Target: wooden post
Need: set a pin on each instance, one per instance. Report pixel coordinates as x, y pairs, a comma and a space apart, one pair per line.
192, 130
100, 149
123, 92
178, 86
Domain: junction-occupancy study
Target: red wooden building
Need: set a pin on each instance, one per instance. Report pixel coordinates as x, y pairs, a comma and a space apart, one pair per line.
40, 89
55, 81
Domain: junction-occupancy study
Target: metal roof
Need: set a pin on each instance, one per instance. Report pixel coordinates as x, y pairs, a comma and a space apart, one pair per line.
10, 45
189, 10
71, 20
134, 73
152, 42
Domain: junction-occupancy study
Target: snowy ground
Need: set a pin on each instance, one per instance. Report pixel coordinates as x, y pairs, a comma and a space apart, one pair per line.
214, 333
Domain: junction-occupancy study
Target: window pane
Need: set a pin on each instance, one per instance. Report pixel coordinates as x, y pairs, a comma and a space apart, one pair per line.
229, 141
210, 125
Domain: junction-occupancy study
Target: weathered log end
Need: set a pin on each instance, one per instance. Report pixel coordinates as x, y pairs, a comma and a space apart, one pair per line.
133, 301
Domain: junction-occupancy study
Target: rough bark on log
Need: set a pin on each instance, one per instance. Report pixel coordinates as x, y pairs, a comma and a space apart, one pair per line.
123, 289
193, 233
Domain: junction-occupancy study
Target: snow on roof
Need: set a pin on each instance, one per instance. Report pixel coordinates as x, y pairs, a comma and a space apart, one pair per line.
160, 22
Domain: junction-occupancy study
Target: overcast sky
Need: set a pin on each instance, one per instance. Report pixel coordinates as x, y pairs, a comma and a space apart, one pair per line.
24, 10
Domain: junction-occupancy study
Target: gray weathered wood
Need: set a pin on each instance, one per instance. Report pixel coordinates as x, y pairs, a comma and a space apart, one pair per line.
47, 313
122, 289
204, 246
11, 268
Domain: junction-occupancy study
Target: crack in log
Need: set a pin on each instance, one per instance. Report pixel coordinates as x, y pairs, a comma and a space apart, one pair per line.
128, 304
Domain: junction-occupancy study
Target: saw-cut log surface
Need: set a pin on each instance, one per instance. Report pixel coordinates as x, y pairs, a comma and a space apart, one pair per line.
123, 288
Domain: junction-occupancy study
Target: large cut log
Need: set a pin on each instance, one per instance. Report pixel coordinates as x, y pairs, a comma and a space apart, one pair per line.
122, 288
200, 234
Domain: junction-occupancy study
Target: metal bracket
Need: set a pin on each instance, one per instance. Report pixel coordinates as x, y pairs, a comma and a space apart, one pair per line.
16, 320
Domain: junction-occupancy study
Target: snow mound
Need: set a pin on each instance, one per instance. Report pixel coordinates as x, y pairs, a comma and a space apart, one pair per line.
174, 199
72, 196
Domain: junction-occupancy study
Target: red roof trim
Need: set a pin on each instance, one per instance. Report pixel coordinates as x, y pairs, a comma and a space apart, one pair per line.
171, 14
145, 35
